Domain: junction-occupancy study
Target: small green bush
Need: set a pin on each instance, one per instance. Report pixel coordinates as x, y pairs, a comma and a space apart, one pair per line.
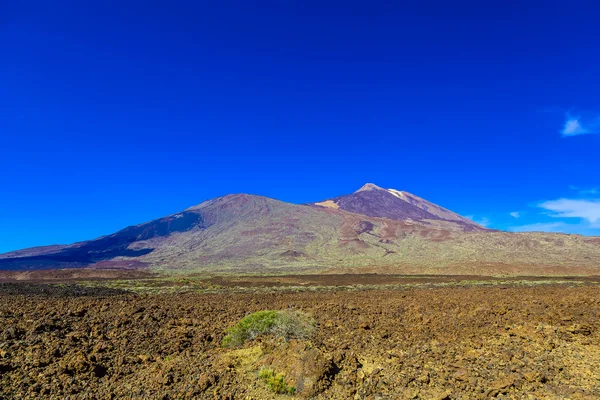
282, 324
276, 382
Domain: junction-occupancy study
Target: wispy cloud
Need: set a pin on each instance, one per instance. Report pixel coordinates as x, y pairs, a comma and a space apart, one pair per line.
573, 128
589, 191
565, 215
581, 227
541, 227
581, 125
585, 191
588, 210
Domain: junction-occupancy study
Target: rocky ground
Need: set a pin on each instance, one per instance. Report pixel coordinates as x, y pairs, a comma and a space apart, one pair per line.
439, 343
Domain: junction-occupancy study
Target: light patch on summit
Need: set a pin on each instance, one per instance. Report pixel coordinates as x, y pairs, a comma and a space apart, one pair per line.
328, 204
396, 193
368, 186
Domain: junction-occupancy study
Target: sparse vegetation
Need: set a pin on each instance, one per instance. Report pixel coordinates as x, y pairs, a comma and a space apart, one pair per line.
276, 382
282, 324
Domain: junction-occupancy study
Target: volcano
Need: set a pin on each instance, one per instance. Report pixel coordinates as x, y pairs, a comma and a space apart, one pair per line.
371, 230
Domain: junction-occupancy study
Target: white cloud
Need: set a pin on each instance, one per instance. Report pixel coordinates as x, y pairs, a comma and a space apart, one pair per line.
541, 227
575, 126
571, 215
573, 208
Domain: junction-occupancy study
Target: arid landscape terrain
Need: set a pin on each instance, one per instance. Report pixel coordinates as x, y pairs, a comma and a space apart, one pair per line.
346, 200
435, 338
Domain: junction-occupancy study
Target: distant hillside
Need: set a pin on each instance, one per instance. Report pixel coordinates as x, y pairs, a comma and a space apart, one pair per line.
371, 230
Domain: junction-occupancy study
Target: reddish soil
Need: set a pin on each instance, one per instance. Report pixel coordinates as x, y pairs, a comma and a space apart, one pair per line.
451, 343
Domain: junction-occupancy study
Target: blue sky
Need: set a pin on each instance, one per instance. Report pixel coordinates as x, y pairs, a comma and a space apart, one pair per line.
114, 113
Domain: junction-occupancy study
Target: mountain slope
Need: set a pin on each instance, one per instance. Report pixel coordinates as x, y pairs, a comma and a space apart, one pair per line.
254, 234
101, 249
373, 201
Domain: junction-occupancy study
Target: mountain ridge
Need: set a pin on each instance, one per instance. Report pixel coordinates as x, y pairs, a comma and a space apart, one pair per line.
370, 230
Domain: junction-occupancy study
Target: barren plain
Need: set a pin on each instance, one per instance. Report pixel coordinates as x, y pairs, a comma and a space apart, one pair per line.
384, 338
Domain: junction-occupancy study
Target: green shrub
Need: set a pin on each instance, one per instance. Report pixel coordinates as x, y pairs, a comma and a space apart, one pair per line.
276, 382
282, 324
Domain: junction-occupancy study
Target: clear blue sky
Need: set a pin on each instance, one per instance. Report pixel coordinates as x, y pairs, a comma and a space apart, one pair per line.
114, 113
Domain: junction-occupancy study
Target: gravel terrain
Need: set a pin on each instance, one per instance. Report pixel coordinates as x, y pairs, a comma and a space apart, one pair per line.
443, 343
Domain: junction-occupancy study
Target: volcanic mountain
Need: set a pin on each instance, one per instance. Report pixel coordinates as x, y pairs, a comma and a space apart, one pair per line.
373, 201
371, 230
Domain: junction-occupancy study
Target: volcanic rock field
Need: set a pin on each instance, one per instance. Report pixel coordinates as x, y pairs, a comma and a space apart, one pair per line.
536, 341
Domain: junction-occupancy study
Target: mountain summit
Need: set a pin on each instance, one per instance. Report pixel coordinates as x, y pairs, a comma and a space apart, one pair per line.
374, 201
369, 186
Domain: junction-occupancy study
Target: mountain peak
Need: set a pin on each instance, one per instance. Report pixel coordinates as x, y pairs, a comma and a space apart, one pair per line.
369, 186
374, 201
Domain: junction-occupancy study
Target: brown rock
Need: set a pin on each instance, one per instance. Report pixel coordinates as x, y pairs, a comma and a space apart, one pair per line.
461, 375
145, 358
